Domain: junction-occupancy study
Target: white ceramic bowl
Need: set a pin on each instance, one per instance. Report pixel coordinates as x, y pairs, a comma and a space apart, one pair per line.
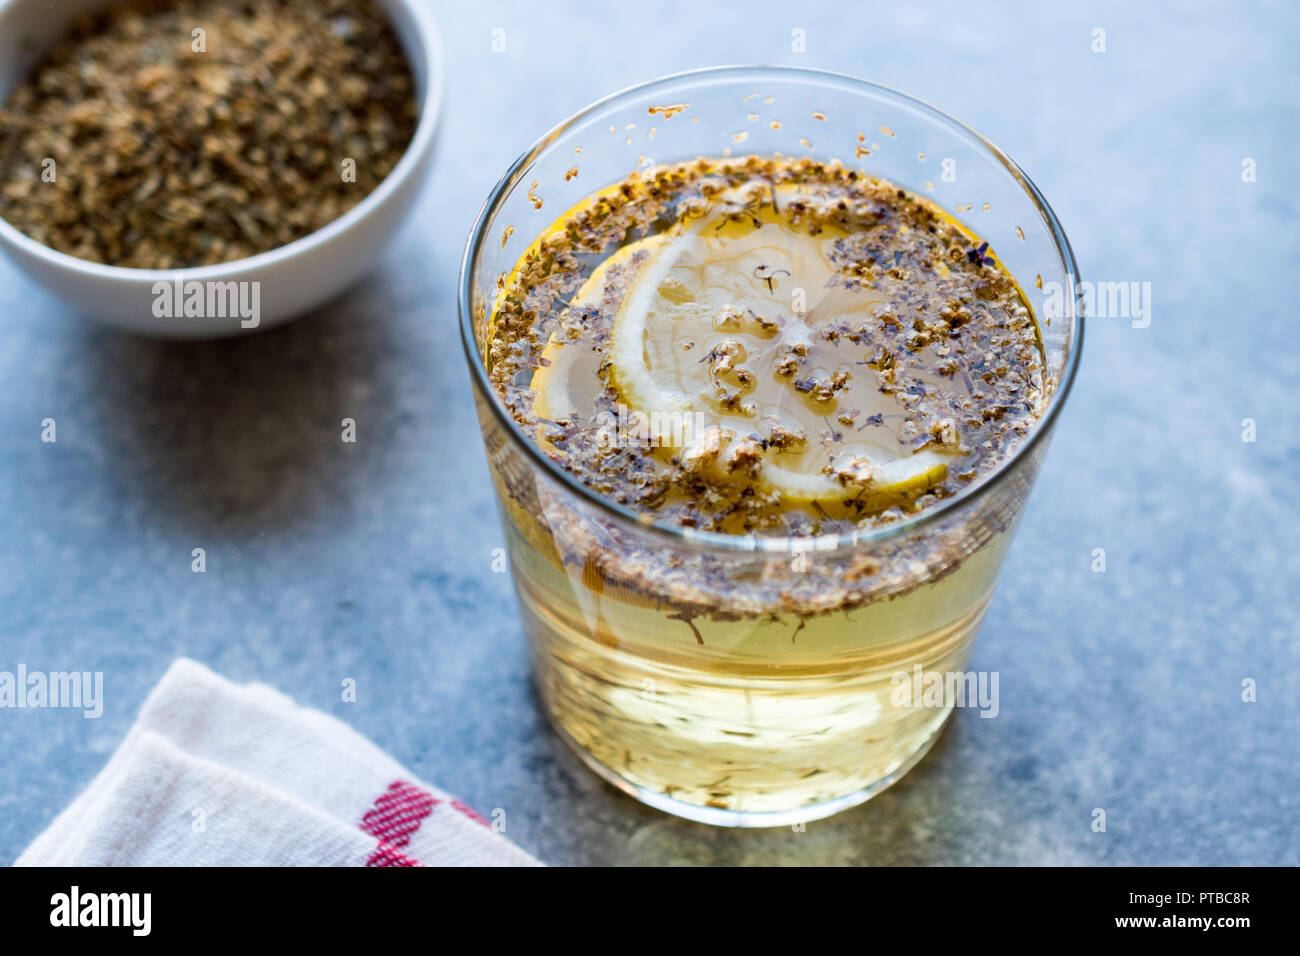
294, 278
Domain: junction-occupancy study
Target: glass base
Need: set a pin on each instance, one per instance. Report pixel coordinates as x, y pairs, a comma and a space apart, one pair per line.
739, 818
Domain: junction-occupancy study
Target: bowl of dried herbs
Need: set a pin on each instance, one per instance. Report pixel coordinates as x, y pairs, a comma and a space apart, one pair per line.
203, 168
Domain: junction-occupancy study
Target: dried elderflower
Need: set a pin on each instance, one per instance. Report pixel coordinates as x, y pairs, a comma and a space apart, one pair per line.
194, 132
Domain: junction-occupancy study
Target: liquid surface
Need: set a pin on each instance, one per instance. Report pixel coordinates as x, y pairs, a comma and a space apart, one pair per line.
767, 346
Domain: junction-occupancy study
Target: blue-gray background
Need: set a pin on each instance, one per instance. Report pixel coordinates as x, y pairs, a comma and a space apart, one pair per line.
1120, 690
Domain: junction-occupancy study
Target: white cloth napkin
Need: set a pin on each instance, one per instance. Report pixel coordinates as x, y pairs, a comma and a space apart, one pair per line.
219, 774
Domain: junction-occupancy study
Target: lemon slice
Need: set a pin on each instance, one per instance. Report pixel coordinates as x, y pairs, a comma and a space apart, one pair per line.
889, 483
708, 315
652, 298
563, 382
716, 307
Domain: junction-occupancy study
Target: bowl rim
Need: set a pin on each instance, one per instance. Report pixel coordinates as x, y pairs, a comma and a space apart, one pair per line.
426, 29
831, 541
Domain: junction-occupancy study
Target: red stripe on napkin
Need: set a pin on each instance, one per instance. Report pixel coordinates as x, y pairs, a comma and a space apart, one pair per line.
395, 815
388, 855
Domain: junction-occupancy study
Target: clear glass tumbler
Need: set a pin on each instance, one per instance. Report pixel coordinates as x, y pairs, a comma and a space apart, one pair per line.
744, 680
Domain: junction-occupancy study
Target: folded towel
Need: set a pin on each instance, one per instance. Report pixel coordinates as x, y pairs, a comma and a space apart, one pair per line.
218, 774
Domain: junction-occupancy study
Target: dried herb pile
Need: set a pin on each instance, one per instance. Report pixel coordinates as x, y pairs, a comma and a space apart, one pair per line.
194, 132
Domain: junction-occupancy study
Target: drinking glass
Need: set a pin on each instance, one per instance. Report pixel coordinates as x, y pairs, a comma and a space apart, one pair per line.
751, 680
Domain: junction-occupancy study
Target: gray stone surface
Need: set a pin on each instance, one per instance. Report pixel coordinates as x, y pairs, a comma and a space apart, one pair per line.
1119, 690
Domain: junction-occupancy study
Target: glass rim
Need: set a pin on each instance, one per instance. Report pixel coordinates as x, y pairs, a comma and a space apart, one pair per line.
831, 541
